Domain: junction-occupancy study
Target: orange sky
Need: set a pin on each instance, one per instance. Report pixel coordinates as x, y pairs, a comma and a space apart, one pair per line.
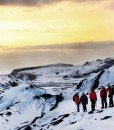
56, 23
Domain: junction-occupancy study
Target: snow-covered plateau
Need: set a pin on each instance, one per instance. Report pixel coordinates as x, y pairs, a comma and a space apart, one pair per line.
40, 98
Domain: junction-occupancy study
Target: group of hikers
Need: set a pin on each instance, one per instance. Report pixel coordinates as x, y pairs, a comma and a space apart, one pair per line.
104, 93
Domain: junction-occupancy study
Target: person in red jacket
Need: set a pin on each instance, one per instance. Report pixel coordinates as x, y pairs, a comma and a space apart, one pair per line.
76, 99
93, 99
103, 95
110, 95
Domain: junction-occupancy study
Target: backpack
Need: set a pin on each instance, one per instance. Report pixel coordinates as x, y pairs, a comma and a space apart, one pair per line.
84, 99
103, 93
76, 99
93, 96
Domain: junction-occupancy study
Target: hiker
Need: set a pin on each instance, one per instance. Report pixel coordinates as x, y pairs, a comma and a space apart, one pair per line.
76, 99
110, 95
93, 99
103, 96
84, 101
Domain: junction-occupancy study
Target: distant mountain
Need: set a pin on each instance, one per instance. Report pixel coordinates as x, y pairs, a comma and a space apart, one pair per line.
61, 74
38, 67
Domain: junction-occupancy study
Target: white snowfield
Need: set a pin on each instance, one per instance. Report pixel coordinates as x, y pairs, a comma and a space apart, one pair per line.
50, 107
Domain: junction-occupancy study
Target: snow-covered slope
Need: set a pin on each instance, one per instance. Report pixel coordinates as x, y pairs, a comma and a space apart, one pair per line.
40, 98
61, 75
21, 105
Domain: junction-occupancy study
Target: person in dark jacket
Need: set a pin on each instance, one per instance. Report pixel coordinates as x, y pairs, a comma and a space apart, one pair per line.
76, 99
103, 95
93, 99
84, 101
110, 95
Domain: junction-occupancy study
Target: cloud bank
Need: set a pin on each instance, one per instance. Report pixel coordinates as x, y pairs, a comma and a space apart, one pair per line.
67, 46
71, 53
39, 2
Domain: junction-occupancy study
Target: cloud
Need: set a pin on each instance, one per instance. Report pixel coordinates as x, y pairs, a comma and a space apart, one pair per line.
72, 53
39, 2
65, 47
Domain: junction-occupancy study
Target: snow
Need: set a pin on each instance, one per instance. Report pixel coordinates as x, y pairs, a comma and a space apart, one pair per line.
107, 77
55, 74
21, 105
88, 83
83, 120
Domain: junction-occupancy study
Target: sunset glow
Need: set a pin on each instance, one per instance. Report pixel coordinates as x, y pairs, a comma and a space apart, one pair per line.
56, 23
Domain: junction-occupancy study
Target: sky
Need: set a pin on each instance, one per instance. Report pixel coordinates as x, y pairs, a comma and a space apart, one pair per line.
37, 32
